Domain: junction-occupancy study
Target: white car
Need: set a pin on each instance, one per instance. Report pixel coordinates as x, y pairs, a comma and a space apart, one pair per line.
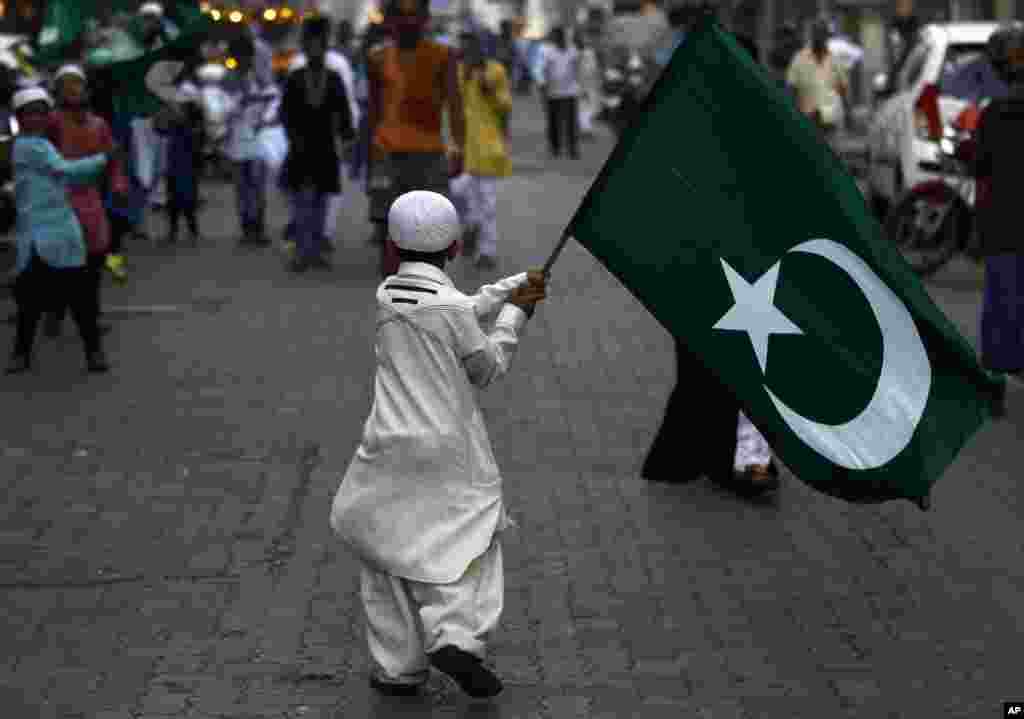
948, 60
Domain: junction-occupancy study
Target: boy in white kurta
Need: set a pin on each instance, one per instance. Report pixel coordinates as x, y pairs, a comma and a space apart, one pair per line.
421, 502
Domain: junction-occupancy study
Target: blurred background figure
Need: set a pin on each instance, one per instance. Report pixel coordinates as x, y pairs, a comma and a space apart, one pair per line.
250, 106
487, 100
77, 132
360, 151
315, 114
338, 60
999, 169
412, 80
184, 133
590, 86
558, 79
818, 82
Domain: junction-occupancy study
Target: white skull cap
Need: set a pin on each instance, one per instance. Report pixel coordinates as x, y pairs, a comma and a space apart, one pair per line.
69, 69
151, 8
29, 95
423, 221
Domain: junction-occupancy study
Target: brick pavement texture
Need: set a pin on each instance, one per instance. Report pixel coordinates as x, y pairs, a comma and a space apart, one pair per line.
165, 552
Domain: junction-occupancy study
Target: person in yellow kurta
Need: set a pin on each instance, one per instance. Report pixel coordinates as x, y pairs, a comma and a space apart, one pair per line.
487, 100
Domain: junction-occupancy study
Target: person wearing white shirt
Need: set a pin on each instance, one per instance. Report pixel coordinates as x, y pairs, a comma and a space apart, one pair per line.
250, 109
421, 503
558, 78
339, 63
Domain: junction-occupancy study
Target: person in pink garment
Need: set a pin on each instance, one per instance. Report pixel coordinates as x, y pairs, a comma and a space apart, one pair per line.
77, 132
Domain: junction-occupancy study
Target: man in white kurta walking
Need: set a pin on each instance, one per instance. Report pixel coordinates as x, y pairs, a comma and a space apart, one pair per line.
421, 502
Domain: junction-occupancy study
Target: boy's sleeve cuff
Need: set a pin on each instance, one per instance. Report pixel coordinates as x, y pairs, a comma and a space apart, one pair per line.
512, 316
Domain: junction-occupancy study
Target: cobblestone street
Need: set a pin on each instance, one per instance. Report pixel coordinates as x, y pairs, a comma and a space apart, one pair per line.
165, 550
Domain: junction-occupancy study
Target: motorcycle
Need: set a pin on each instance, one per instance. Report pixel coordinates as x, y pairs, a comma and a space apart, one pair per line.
935, 219
623, 91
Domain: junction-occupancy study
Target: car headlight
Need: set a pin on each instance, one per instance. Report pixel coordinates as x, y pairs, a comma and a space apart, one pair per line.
14, 125
947, 146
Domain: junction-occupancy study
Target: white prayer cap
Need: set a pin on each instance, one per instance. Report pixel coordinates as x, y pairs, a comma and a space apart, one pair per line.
69, 69
30, 95
423, 221
152, 8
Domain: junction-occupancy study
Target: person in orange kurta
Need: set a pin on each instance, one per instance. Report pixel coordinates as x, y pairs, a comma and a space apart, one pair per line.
77, 132
410, 80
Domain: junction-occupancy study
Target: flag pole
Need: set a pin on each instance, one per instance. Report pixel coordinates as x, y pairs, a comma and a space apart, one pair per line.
554, 254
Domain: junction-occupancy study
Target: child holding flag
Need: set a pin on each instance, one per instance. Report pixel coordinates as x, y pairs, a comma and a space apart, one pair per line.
421, 502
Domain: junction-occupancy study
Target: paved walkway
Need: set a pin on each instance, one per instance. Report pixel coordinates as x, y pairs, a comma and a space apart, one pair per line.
164, 547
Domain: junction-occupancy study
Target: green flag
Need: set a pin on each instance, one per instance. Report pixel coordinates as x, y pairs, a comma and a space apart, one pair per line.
142, 77
727, 216
145, 83
65, 22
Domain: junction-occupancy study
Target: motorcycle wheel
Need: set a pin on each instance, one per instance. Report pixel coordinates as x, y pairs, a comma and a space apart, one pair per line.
926, 225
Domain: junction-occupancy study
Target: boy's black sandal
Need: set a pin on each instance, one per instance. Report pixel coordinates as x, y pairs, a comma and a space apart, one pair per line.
468, 672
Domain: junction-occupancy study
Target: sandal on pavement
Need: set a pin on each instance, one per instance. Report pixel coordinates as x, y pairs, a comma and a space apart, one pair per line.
97, 362
18, 364
751, 482
468, 671
392, 688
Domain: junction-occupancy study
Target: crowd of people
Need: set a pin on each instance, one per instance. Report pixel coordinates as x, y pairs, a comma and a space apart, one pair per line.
427, 126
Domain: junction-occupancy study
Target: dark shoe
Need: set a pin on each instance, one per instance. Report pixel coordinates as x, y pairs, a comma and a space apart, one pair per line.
751, 482
320, 263
54, 325
298, 266
468, 672
170, 240
97, 362
394, 689
104, 330
18, 364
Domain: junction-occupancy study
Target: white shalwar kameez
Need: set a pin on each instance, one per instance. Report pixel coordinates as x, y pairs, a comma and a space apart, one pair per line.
421, 502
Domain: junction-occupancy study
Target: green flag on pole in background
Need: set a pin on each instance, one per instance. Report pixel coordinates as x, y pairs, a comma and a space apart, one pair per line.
138, 74
724, 212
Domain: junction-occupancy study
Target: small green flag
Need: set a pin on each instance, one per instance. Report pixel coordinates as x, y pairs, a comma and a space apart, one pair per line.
727, 216
140, 76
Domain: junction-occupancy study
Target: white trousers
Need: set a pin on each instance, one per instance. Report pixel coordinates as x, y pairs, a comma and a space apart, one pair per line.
751, 448
150, 152
481, 193
586, 110
407, 620
335, 206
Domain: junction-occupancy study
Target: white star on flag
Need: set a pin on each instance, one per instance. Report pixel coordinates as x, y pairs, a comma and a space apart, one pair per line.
755, 312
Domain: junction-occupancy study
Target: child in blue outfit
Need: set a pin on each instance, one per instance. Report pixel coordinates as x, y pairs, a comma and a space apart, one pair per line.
50, 268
